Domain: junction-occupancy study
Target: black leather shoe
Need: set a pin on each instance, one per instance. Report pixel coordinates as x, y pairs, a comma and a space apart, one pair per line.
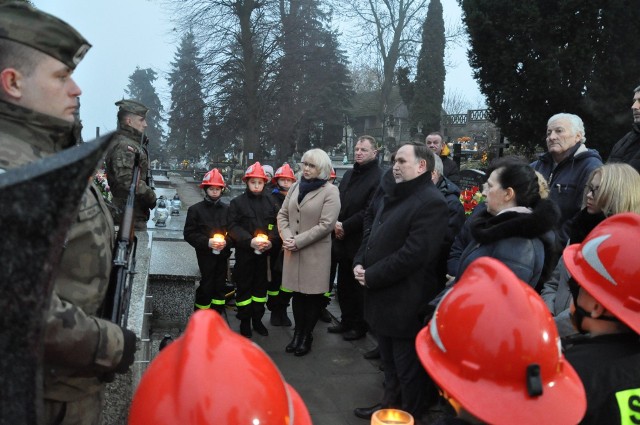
285, 319
340, 328
276, 318
259, 327
305, 345
325, 316
366, 412
295, 342
245, 328
354, 334
373, 354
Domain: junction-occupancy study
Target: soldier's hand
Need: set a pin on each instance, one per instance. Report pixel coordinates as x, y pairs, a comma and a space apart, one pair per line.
128, 352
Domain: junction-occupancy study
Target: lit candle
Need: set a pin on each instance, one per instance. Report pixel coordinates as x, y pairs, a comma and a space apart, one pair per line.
391, 416
217, 238
261, 238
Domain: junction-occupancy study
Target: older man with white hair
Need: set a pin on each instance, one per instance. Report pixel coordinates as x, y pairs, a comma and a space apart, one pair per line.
567, 163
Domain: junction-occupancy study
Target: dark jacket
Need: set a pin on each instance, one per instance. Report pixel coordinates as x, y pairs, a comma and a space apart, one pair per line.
568, 179
205, 219
250, 214
450, 169
555, 291
356, 190
627, 149
462, 239
451, 194
399, 254
609, 367
526, 243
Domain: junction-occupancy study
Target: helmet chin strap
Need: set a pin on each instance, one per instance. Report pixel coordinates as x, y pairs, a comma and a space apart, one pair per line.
580, 313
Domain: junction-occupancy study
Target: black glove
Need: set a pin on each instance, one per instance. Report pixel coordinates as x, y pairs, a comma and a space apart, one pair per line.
128, 352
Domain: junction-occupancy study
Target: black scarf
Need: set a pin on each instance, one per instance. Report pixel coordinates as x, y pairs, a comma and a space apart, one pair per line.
307, 186
582, 224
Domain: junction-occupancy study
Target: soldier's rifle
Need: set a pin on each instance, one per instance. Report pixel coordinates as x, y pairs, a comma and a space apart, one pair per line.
116, 303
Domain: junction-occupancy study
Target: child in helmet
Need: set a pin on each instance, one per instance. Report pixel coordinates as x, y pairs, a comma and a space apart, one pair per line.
604, 285
244, 386
493, 349
252, 226
279, 297
204, 220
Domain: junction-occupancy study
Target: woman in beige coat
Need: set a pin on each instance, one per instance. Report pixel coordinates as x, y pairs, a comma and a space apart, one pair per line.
305, 221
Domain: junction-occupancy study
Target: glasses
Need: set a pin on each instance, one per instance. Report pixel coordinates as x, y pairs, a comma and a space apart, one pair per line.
308, 164
591, 189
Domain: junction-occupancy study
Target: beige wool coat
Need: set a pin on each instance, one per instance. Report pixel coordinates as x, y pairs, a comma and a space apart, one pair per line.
310, 223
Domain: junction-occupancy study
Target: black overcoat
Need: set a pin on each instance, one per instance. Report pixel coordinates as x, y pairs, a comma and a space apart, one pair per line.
400, 253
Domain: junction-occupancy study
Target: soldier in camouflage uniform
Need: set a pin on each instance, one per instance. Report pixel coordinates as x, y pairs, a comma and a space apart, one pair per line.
38, 54
128, 141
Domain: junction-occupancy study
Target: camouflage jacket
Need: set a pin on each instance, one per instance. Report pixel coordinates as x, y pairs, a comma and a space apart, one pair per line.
79, 347
119, 161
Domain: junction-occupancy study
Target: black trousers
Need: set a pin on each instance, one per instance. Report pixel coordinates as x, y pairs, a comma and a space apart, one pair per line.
277, 298
250, 276
212, 289
306, 310
350, 296
406, 383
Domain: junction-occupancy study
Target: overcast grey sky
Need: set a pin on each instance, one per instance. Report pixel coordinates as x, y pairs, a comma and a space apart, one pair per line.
130, 33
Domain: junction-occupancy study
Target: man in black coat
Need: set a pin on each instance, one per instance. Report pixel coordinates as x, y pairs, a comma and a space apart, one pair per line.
396, 263
627, 149
356, 190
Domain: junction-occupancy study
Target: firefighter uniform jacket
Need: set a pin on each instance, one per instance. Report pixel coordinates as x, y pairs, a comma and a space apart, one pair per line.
609, 367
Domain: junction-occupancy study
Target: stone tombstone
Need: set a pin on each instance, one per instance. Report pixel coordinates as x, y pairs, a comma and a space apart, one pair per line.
470, 178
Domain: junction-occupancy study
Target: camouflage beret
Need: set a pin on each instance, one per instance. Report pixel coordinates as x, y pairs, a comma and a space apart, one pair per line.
132, 106
26, 25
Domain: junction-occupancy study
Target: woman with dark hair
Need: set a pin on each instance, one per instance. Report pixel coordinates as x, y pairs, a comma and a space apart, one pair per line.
517, 226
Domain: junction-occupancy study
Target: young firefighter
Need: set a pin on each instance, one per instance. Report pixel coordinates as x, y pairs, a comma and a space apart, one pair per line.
604, 285
252, 226
506, 367
204, 220
279, 297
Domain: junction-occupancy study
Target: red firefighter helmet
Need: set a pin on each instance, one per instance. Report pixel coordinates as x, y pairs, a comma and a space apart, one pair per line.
255, 170
213, 178
284, 172
333, 174
606, 265
211, 375
493, 346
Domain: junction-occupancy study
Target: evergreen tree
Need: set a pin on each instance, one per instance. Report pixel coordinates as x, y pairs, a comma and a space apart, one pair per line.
186, 115
426, 106
312, 84
405, 85
534, 59
217, 141
141, 88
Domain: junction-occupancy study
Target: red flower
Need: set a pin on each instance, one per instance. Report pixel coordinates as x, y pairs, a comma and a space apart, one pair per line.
470, 199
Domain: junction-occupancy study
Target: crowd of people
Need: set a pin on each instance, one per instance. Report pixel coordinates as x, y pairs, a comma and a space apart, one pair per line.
449, 295
528, 311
